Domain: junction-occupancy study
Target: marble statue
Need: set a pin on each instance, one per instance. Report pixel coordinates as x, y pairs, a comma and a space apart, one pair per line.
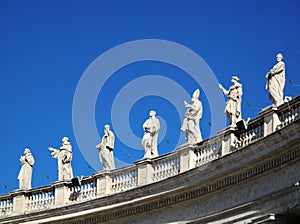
25, 174
192, 119
276, 81
149, 141
234, 101
64, 158
106, 148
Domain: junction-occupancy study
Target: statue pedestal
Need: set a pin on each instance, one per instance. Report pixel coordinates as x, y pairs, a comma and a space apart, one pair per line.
103, 182
61, 192
271, 119
145, 171
229, 139
20, 201
187, 157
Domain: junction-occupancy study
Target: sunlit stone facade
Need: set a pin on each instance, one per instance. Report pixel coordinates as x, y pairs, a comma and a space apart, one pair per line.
246, 176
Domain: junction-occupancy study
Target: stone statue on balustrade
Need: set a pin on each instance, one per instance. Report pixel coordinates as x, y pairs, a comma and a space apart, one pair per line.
64, 158
234, 101
191, 122
276, 81
25, 174
149, 142
106, 148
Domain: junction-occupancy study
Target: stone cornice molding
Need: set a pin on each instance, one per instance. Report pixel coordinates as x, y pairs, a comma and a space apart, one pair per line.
269, 154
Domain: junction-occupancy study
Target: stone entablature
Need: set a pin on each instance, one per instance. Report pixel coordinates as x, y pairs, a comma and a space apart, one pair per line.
187, 173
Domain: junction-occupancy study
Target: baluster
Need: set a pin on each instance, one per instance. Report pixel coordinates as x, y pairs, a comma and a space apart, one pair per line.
46, 198
30, 201
246, 138
33, 200
162, 171
157, 171
251, 135
126, 183
201, 155
39, 195
206, 154
80, 191
123, 181
286, 119
207, 148
293, 114
114, 183
89, 189
130, 180
171, 167
289, 117
119, 182
211, 149
167, 168
36, 202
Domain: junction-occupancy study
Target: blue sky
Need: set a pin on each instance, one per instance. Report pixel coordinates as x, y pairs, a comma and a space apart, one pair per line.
47, 46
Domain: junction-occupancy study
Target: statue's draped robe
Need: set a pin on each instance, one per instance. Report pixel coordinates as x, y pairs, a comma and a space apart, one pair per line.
25, 173
149, 141
64, 158
275, 83
191, 122
105, 148
233, 103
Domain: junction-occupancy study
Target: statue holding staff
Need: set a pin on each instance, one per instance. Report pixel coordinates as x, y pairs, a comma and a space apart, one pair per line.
192, 119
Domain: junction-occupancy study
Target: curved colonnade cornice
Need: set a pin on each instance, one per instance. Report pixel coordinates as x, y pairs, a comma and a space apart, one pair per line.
217, 181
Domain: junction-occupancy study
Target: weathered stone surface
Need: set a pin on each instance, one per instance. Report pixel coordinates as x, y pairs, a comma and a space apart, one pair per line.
258, 180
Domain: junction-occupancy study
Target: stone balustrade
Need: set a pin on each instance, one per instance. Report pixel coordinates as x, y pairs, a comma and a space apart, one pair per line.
254, 132
289, 112
38, 199
124, 179
6, 204
165, 167
208, 150
85, 190
147, 171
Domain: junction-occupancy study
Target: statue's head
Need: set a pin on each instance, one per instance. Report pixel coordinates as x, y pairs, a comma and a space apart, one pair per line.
152, 113
65, 139
196, 94
235, 78
106, 127
26, 151
279, 57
